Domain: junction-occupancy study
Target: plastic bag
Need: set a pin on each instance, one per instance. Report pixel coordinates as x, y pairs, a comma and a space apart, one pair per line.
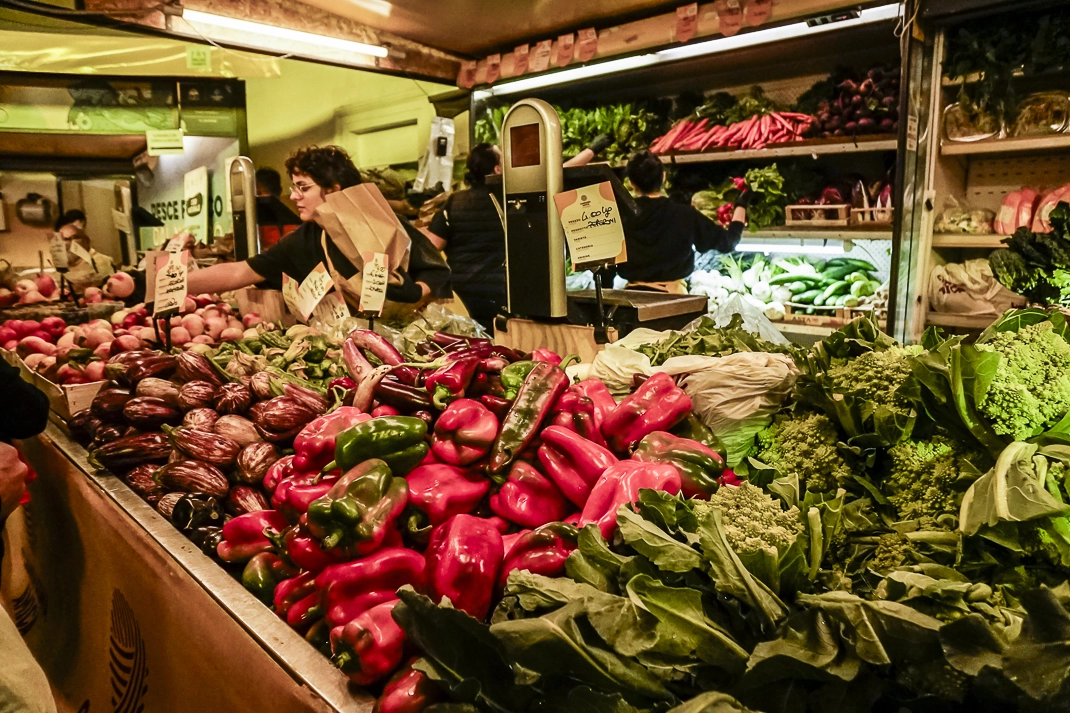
970, 288
754, 319
434, 317
961, 219
736, 395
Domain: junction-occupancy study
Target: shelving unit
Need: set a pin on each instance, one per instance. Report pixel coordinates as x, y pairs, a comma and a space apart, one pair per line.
990, 147
951, 240
850, 233
813, 147
959, 321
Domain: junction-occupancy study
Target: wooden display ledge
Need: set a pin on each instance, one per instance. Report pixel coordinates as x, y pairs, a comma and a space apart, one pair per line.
525, 335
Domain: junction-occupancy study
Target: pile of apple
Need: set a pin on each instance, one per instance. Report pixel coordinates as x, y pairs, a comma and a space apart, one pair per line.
28, 292
204, 319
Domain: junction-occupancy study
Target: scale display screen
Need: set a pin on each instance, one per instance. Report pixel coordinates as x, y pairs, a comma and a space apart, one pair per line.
524, 143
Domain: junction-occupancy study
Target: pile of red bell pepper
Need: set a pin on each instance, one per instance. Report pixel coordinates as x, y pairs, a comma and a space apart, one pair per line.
450, 492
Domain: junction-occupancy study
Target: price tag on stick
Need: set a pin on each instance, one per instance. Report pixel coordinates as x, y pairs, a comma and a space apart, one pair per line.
58, 249
332, 309
373, 290
312, 290
290, 293
81, 253
592, 225
171, 286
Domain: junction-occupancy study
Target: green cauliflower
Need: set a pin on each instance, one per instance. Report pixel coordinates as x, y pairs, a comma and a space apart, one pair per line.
877, 375
1031, 387
752, 519
924, 477
805, 444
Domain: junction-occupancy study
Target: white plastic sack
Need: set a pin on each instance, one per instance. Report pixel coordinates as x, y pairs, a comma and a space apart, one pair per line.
970, 288
736, 395
754, 319
436, 165
615, 365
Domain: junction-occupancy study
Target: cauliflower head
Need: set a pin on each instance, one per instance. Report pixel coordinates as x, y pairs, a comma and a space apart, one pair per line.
753, 520
1031, 388
804, 443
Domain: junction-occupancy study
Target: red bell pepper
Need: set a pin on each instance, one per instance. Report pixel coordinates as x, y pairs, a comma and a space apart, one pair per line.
700, 467
464, 432
545, 355
620, 485
441, 491
598, 393
384, 410
498, 405
297, 546
657, 405
463, 561
537, 395
370, 647
243, 536
408, 691
528, 498
359, 509
729, 477
295, 493
277, 472
540, 551
576, 413
349, 589
448, 382
314, 445
295, 598
572, 462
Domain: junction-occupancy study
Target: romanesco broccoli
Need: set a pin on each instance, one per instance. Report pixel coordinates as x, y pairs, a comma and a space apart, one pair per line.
1031, 388
753, 520
893, 550
877, 375
804, 444
921, 479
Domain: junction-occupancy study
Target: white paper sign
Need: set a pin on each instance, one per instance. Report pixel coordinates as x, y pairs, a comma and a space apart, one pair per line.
332, 309
313, 289
151, 260
375, 276
79, 252
58, 249
290, 293
164, 142
592, 224
171, 285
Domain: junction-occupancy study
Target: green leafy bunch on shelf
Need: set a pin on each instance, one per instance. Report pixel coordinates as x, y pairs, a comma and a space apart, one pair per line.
1037, 265
767, 209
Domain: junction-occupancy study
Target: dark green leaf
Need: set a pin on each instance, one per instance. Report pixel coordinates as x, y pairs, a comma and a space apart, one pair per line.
1009, 492
970, 644
1039, 659
711, 702
655, 544
593, 562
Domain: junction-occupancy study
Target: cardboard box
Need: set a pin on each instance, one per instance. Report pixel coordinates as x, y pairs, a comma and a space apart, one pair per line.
65, 400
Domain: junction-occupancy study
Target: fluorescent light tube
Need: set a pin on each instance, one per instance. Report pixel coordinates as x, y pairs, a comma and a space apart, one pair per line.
721, 44
255, 28
801, 249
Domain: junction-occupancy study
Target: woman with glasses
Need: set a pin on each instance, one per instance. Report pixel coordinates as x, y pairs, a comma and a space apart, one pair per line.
314, 173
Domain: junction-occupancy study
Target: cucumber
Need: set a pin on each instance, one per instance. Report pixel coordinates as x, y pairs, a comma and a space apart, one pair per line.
836, 288
862, 289
788, 278
838, 272
806, 297
798, 286
860, 264
850, 300
858, 276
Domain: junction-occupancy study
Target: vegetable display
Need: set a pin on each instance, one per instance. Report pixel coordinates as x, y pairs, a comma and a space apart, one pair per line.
1037, 264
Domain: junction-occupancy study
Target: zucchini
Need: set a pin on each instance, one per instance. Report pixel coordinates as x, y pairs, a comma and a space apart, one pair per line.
798, 286
806, 297
838, 272
858, 276
860, 264
850, 300
836, 288
789, 278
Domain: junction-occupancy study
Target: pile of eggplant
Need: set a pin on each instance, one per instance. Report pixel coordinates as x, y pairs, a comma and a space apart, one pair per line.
188, 439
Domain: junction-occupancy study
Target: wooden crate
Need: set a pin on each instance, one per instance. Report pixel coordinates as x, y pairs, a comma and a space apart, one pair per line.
817, 216
872, 217
525, 335
833, 317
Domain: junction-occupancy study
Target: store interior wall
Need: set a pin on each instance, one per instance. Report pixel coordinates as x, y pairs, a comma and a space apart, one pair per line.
20, 243
319, 104
96, 198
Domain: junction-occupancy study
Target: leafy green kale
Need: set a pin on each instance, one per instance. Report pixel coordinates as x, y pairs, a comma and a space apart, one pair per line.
1036, 264
925, 478
753, 520
1031, 386
804, 443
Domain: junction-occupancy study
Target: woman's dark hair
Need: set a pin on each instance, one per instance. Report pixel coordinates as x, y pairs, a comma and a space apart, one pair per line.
326, 165
270, 180
481, 162
71, 216
645, 172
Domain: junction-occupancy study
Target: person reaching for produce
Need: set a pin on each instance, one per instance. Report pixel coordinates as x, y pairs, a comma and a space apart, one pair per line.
660, 242
315, 172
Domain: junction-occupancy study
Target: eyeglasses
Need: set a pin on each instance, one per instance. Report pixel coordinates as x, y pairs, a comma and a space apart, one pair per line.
301, 188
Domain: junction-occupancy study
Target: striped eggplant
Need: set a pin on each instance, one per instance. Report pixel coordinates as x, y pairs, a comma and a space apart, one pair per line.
130, 357
260, 383
162, 389
149, 412
166, 505
197, 394
204, 445
307, 398
141, 481
192, 476
233, 398
203, 418
242, 499
160, 367
254, 461
281, 414
106, 433
237, 429
108, 404
196, 367
124, 454
83, 426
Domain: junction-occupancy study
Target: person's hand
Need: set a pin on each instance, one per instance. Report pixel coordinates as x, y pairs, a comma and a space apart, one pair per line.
746, 198
600, 143
12, 480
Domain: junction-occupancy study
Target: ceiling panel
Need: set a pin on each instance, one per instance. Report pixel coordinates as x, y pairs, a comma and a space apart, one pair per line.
474, 27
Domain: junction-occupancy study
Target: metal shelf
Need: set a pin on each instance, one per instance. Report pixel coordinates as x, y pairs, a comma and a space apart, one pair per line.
953, 240
848, 233
961, 321
1006, 146
816, 147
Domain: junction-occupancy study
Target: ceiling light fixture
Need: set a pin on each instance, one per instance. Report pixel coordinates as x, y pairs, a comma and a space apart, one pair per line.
699, 49
198, 18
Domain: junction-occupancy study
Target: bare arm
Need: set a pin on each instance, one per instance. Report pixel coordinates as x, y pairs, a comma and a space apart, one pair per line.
223, 277
438, 242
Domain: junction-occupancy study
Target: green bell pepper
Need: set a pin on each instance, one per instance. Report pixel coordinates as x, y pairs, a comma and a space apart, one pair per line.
398, 440
359, 509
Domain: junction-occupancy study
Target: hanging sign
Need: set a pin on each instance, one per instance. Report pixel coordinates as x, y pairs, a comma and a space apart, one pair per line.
729, 16
58, 250
333, 309
755, 12
466, 78
592, 225
563, 49
588, 43
540, 58
198, 57
520, 60
171, 282
290, 293
494, 68
686, 22
375, 276
164, 142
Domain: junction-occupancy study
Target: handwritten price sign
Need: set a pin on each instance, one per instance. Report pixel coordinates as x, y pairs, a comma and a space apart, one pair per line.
592, 225
373, 289
171, 286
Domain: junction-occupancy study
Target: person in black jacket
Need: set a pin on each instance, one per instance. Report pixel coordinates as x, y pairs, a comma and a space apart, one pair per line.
474, 240
660, 254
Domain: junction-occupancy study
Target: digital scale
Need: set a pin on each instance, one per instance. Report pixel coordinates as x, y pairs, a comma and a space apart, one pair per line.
540, 312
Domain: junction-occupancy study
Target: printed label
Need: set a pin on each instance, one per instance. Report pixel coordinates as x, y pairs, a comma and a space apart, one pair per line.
592, 224
686, 22
58, 250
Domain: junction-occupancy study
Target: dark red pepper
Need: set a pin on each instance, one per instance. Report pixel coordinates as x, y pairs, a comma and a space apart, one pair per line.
403, 397
441, 491
295, 598
572, 462
545, 355
541, 388
370, 646
349, 589
448, 382
528, 498
244, 536
599, 394
498, 406
464, 432
576, 413
294, 494
619, 485
658, 405
408, 691
314, 445
297, 546
463, 561
543, 550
